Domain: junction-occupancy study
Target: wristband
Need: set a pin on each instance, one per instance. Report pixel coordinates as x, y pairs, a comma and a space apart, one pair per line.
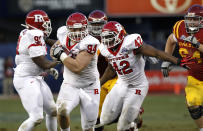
63, 56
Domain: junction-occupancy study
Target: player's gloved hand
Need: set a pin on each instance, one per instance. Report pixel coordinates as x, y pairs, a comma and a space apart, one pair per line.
56, 51
54, 72
185, 61
152, 60
193, 40
165, 68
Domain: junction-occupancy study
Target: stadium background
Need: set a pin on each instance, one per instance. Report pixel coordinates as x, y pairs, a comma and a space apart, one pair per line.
153, 19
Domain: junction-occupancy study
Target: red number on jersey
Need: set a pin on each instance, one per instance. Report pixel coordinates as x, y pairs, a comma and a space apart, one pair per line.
125, 70
138, 42
91, 49
116, 68
37, 40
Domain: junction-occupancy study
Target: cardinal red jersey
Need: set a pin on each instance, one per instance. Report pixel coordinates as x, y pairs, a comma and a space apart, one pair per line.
186, 48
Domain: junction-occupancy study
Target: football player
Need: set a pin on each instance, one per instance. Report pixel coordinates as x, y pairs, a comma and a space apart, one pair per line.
96, 20
81, 85
188, 34
30, 61
124, 53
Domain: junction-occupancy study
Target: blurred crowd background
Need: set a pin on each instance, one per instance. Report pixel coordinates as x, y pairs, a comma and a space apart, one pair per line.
153, 19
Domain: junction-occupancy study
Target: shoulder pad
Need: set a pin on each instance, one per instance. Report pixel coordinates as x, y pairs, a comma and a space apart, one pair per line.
90, 40
178, 27
32, 33
35, 33
89, 43
61, 32
133, 41
23, 32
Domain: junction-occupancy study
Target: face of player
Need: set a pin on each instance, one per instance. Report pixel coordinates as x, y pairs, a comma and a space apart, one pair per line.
96, 28
193, 21
108, 40
77, 34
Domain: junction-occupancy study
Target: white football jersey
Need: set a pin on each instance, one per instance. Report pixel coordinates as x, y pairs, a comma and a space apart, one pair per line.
30, 44
90, 74
128, 65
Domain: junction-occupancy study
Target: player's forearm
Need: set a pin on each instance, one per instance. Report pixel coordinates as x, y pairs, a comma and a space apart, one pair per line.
73, 65
48, 64
79, 63
166, 57
50, 42
151, 51
44, 63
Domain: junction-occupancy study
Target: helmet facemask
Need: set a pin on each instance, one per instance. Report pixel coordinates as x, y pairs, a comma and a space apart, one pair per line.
77, 32
193, 23
47, 27
110, 39
95, 28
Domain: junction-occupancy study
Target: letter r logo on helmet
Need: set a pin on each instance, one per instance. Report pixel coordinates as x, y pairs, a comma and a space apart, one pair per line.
38, 18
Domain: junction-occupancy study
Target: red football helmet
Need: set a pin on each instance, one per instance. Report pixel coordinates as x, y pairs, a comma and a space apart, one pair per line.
96, 19
194, 19
77, 26
112, 34
38, 19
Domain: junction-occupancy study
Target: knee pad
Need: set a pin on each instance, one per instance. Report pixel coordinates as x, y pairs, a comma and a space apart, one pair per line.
62, 111
53, 112
195, 112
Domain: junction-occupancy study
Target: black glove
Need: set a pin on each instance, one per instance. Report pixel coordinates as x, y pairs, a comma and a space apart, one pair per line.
56, 52
192, 39
165, 68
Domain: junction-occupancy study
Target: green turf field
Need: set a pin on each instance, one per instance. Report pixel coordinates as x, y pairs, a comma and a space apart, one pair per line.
162, 113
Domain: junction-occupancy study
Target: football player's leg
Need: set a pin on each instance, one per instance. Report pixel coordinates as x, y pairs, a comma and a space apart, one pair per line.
68, 99
112, 106
105, 89
49, 107
27, 87
89, 106
194, 98
138, 121
103, 94
131, 107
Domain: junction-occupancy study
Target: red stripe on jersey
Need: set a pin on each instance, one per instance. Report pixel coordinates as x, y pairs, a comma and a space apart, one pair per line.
68, 43
116, 52
34, 45
17, 48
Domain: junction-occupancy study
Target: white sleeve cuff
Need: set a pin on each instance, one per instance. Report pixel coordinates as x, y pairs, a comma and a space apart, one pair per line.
63, 56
